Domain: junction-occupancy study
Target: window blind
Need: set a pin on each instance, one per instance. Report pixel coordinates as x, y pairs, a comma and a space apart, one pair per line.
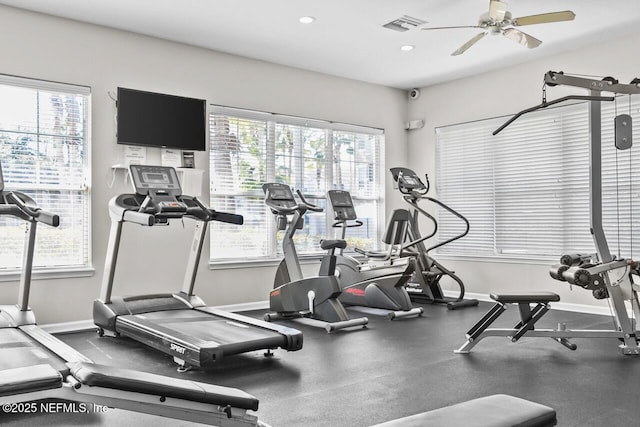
249, 148
44, 132
526, 190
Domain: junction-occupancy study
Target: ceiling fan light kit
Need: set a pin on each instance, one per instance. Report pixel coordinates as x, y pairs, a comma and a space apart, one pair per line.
500, 21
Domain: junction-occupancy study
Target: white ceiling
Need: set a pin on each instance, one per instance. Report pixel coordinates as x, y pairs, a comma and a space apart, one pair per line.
347, 39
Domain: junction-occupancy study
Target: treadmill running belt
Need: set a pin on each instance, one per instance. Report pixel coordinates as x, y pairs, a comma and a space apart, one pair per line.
19, 351
197, 337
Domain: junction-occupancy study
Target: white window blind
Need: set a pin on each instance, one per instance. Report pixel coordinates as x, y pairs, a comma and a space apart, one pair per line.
525, 191
249, 148
44, 131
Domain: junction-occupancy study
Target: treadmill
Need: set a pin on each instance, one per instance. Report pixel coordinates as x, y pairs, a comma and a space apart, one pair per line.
37, 369
178, 324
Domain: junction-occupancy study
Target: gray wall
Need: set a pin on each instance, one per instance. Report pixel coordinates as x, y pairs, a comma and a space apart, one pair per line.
49, 48
505, 92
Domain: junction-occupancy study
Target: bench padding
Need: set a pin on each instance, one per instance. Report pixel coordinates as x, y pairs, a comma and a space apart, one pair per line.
498, 410
529, 297
29, 379
94, 375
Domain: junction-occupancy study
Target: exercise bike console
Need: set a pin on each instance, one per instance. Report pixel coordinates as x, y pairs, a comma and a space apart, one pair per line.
342, 205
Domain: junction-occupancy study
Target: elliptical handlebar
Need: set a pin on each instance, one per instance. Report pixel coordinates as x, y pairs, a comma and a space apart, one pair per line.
448, 209
415, 190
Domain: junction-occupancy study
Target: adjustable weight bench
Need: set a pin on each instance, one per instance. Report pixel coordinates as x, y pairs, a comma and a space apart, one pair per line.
529, 315
498, 410
127, 389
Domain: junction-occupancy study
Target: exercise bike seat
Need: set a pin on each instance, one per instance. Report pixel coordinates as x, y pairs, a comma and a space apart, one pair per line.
327, 244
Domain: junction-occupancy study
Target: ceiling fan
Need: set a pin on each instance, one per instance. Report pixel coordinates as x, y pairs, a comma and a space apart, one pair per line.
499, 21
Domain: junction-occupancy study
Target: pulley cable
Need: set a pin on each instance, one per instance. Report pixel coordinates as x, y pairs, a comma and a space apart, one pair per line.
615, 106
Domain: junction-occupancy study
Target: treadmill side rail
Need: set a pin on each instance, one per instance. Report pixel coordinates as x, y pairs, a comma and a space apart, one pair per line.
293, 336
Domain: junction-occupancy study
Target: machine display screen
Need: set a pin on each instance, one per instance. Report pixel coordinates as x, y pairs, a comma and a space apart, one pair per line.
280, 194
410, 180
147, 178
340, 199
155, 178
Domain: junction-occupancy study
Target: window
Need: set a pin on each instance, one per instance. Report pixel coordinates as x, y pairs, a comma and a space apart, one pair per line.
249, 148
525, 191
44, 131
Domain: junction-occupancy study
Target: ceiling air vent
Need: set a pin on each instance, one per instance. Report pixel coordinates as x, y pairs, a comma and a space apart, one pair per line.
404, 23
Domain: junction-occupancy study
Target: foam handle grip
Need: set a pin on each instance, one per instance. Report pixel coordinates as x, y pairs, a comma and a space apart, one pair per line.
138, 218
575, 259
557, 271
227, 217
48, 218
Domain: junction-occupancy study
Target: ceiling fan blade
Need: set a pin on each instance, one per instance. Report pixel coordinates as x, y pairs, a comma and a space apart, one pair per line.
519, 37
544, 18
468, 44
447, 28
497, 10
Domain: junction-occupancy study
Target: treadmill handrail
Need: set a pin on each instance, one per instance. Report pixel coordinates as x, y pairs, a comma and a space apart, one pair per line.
204, 213
24, 210
145, 215
138, 217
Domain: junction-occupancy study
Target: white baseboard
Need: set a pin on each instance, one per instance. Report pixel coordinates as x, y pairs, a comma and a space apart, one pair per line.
562, 306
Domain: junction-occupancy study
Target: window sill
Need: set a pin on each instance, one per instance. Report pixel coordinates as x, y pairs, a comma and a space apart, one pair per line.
498, 260
253, 263
42, 274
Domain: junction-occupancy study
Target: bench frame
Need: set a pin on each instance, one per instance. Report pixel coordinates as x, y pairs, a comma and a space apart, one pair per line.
532, 307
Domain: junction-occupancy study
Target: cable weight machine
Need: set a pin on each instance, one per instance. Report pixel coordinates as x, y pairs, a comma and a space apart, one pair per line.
605, 275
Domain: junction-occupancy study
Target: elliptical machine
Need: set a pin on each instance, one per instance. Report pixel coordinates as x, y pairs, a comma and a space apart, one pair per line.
293, 295
379, 282
430, 271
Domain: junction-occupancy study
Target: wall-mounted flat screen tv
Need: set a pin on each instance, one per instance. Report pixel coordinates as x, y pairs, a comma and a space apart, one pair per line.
159, 120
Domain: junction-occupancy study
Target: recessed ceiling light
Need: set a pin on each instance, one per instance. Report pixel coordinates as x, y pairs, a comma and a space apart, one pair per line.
307, 19
407, 47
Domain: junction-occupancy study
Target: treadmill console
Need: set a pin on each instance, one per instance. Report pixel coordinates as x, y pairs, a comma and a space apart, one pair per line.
342, 205
161, 187
278, 196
